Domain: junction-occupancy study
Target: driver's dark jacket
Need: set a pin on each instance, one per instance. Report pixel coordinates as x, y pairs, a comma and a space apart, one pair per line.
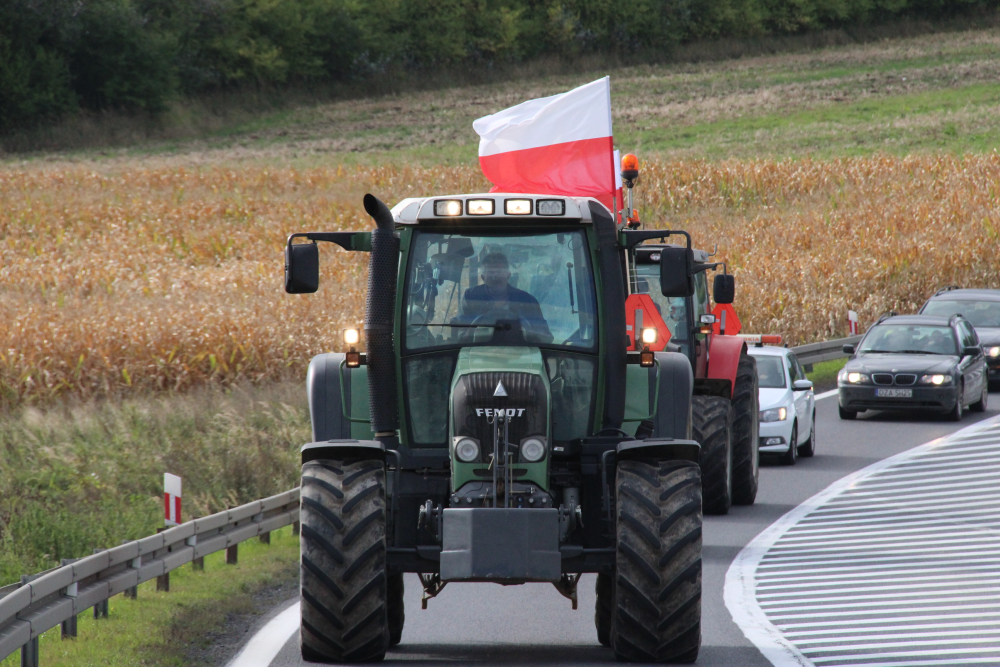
478, 301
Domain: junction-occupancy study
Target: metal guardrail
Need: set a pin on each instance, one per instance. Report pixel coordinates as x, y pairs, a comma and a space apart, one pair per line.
42, 601
814, 353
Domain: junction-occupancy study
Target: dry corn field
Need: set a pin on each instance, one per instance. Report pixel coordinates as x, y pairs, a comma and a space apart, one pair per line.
165, 278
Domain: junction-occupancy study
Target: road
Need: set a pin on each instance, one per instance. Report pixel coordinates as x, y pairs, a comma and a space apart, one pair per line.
533, 624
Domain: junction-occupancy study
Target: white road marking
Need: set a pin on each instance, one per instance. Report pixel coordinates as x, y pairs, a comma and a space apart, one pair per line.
826, 394
262, 649
837, 581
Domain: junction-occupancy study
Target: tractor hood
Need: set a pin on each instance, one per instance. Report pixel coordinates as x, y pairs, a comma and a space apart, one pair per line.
510, 382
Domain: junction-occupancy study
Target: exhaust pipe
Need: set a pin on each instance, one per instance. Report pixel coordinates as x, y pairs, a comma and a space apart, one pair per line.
383, 267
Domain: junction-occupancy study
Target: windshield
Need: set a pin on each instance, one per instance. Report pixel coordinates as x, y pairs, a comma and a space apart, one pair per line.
909, 338
534, 289
983, 314
770, 372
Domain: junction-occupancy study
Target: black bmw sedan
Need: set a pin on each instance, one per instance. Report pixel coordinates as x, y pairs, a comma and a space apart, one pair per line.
915, 362
981, 307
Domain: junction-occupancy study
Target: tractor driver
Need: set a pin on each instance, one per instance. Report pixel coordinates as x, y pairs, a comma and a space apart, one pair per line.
496, 294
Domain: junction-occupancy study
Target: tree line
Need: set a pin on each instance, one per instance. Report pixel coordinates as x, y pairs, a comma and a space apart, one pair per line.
58, 56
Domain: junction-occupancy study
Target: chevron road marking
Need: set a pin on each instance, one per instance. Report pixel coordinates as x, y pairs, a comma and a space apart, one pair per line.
896, 565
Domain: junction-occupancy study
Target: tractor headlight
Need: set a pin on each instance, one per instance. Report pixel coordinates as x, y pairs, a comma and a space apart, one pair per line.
480, 207
774, 415
649, 335
517, 206
352, 336
532, 450
551, 207
467, 450
448, 207
935, 379
994, 352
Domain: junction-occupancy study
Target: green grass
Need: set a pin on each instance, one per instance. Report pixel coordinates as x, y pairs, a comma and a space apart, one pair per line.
824, 374
960, 120
65, 471
169, 629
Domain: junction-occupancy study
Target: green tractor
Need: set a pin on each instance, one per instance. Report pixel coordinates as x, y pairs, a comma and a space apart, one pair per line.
497, 427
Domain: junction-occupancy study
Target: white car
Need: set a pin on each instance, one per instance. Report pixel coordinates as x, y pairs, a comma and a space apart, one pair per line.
787, 404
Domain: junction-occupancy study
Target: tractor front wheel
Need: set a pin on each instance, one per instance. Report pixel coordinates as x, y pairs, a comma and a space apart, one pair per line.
712, 428
657, 586
345, 610
746, 417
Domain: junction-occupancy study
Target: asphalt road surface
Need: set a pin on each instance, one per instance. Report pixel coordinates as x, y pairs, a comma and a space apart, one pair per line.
532, 624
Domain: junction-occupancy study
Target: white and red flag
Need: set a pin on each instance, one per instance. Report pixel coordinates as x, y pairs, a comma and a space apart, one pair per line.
558, 145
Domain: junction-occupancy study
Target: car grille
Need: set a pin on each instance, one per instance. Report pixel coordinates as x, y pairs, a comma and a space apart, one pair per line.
902, 379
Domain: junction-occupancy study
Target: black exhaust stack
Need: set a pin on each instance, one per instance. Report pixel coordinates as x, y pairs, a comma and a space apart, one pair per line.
383, 265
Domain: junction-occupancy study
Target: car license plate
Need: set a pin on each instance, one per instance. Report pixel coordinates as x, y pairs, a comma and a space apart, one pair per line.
894, 393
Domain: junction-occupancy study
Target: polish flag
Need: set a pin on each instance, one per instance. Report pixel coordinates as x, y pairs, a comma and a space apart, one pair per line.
559, 145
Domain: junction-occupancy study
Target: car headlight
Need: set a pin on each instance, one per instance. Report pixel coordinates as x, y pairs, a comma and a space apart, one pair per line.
936, 379
994, 352
532, 450
467, 450
854, 377
774, 415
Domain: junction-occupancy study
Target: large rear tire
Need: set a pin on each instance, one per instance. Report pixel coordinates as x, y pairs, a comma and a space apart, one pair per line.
657, 591
605, 607
343, 578
394, 607
746, 430
712, 427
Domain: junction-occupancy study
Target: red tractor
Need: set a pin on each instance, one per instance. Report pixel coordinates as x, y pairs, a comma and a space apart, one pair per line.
668, 308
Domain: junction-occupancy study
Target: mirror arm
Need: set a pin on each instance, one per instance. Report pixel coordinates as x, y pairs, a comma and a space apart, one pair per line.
634, 238
698, 267
346, 240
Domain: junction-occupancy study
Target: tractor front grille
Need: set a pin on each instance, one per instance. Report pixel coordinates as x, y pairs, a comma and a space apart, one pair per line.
475, 403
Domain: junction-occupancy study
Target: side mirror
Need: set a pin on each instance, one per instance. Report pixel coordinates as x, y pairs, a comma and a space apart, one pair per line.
724, 289
971, 351
301, 268
848, 349
802, 385
676, 266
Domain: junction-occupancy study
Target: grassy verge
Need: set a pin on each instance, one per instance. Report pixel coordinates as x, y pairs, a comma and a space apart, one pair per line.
74, 477
824, 374
175, 628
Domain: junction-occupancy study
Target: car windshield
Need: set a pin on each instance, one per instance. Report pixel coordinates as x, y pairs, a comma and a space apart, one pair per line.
770, 372
981, 314
534, 289
910, 339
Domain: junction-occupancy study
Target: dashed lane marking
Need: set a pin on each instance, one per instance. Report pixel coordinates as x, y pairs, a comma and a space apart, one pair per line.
896, 565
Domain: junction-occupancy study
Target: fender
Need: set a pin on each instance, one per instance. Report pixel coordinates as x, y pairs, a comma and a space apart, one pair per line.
724, 355
343, 449
660, 448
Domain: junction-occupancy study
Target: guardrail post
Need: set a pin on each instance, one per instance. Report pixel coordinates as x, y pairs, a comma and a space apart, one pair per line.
162, 580
198, 564
265, 538
68, 627
295, 528
232, 554
101, 610
29, 654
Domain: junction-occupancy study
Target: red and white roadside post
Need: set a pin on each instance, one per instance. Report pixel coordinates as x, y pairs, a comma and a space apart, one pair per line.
852, 322
171, 499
